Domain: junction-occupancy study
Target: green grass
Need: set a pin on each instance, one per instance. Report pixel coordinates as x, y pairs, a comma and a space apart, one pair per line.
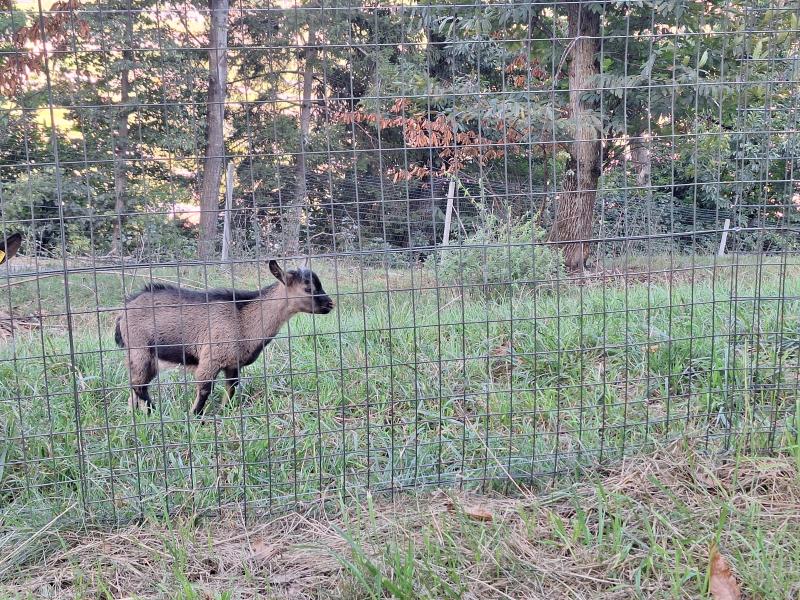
403, 385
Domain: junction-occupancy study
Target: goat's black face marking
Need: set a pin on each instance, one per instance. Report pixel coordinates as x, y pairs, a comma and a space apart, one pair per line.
321, 302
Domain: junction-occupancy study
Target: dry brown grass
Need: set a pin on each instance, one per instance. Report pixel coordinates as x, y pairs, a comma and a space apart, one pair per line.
12, 324
641, 530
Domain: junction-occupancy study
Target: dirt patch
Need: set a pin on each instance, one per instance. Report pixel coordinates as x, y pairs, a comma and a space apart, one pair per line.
12, 324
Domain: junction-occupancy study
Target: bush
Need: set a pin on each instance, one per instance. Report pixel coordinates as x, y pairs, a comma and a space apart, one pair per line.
501, 252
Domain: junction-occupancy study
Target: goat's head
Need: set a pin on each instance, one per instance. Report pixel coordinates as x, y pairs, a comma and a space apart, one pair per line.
9, 247
303, 289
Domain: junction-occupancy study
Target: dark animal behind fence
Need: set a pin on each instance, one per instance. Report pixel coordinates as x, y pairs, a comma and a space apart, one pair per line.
10, 246
164, 326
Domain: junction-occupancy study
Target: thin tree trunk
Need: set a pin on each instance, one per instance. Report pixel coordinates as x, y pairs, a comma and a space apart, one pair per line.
640, 157
575, 205
121, 140
294, 218
215, 120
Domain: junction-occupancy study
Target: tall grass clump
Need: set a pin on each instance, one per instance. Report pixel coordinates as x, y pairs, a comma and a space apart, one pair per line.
502, 252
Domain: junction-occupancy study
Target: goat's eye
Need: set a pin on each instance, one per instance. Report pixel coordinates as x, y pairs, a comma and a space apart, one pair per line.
308, 290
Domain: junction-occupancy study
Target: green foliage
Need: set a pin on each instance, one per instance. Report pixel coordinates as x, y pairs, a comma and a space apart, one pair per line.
498, 72
33, 200
501, 252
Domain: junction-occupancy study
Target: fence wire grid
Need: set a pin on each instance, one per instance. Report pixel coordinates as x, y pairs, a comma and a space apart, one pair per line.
555, 233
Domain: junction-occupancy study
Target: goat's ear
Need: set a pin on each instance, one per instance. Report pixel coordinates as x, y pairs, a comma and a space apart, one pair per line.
9, 247
276, 270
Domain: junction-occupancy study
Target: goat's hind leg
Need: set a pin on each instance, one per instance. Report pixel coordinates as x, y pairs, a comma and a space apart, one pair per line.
231, 381
204, 375
141, 368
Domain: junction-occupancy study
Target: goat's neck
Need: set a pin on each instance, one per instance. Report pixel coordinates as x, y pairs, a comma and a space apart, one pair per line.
264, 318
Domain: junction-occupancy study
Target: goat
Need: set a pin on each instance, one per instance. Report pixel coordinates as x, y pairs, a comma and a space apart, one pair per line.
9, 247
164, 326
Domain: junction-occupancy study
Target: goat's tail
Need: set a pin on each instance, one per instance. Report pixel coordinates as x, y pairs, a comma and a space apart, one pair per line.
118, 334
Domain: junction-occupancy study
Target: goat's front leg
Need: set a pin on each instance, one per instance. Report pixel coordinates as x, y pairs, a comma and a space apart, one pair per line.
231, 381
204, 375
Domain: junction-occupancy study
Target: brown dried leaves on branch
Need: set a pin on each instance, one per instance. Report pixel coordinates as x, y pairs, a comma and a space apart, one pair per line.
43, 39
455, 148
524, 71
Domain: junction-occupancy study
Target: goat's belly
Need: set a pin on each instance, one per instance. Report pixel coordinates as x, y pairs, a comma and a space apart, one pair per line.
252, 356
164, 365
176, 355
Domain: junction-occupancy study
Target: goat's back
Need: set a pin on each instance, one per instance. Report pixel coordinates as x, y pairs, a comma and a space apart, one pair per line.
164, 314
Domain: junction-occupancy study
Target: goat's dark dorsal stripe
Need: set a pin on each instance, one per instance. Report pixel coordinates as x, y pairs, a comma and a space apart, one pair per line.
240, 297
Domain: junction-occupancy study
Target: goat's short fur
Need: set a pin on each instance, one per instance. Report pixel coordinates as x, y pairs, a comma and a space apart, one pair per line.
164, 326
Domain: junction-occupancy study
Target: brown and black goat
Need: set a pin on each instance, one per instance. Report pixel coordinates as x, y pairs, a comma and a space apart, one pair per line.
9, 246
164, 326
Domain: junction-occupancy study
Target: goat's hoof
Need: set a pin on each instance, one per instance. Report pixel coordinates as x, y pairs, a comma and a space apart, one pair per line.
135, 403
207, 419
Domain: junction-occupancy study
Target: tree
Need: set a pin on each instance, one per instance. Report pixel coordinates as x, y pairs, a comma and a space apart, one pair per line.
500, 109
575, 204
51, 33
291, 226
488, 92
121, 136
298, 52
120, 111
215, 121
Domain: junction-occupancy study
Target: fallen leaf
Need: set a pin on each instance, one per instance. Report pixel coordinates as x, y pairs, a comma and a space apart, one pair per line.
703, 478
473, 511
478, 513
502, 359
722, 584
503, 349
282, 578
262, 551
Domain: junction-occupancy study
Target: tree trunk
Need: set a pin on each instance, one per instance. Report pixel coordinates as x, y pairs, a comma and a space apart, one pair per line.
640, 157
292, 222
121, 140
215, 120
575, 204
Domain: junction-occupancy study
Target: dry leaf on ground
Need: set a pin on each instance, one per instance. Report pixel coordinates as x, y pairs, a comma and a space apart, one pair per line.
263, 551
722, 585
477, 513
704, 478
473, 511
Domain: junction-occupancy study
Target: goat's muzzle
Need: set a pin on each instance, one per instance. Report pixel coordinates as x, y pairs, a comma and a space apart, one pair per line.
325, 307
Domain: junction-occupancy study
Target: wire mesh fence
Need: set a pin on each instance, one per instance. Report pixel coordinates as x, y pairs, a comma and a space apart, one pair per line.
555, 234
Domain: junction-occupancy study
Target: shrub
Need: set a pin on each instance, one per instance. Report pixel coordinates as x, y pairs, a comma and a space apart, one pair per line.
501, 252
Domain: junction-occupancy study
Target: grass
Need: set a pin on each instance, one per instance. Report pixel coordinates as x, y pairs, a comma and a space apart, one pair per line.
640, 530
406, 384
